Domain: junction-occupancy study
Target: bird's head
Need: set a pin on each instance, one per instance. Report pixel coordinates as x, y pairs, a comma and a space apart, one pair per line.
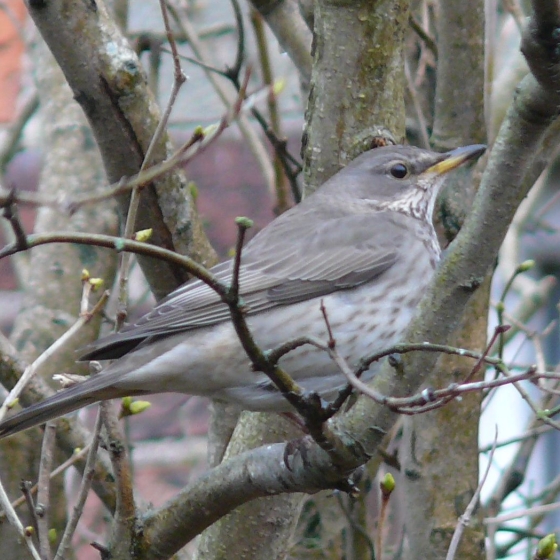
401, 178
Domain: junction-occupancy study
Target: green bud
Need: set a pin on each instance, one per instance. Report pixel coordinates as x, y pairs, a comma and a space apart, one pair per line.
547, 547
500, 307
29, 531
13, 403
143, 235
209, 130
52, 535
387, 484
244, 222
278, 86
96, 283
193, 190
139, 406
525, 266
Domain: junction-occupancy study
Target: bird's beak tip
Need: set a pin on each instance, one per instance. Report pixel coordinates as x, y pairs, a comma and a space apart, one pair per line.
457, 157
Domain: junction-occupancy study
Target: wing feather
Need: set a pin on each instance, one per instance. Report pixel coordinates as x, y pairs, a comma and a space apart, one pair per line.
283, 264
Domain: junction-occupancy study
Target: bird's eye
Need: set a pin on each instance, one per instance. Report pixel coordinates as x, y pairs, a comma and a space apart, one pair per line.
399, 171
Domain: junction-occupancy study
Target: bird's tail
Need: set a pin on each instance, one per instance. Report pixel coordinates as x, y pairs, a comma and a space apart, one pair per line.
93, 389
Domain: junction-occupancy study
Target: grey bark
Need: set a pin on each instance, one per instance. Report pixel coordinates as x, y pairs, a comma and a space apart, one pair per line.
356, 86
440, 449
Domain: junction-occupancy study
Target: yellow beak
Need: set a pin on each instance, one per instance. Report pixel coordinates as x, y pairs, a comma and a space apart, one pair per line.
455, 158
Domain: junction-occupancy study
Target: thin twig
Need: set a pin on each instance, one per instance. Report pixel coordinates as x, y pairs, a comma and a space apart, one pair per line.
253, 141
266, 69
528, 512
10, 213
14, 520
125, 508
516, 11
422, 127
201, 139
332, 341
13, 134
541, 415
47, 354
428, 399
276, 353
89, 472
43, 489
497, 334
500, 307
179, 80
428, 40
291, 166
531, 433
32, 489
27, 498
354, 524
120, 244
243, 224
240, 52
465, 519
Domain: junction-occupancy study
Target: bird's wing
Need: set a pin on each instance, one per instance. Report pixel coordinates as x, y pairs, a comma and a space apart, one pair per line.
282, 265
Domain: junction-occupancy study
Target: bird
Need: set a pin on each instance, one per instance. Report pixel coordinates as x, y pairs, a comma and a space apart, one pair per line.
362, 246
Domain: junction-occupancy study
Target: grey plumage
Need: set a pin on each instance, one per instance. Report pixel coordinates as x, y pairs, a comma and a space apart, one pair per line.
353, 244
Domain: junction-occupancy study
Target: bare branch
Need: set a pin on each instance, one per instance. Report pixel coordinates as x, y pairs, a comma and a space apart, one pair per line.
43, 489
464, 520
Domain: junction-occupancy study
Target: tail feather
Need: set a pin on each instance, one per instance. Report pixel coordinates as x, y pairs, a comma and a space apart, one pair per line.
92, 390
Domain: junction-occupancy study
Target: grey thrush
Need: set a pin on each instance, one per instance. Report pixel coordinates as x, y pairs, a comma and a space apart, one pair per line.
363, 244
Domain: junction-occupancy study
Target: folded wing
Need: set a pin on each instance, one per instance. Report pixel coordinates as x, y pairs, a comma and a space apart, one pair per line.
283, 264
